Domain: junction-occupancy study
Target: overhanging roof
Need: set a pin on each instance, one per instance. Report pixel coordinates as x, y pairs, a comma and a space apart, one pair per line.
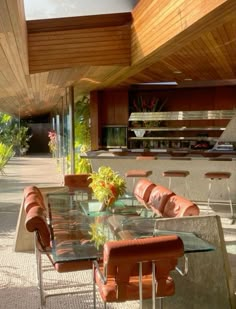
157, 41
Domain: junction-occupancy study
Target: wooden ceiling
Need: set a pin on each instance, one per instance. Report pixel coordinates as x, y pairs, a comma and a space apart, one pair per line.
191, 42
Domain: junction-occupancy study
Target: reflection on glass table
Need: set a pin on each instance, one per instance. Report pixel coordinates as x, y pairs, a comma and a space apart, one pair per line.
79, 233
143, 227
192, 243
121, 206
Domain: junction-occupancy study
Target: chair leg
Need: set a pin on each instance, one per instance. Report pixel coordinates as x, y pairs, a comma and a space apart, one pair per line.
38, 261
229, 197
187, 191
140, 286
209, 194
133, 186
40, 278
39, 273
94, 289
161, 303
153, 285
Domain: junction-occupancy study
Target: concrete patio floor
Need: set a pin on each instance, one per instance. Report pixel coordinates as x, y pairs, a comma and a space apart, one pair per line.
17, 270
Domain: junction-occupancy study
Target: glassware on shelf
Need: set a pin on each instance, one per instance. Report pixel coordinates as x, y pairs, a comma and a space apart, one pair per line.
139, 132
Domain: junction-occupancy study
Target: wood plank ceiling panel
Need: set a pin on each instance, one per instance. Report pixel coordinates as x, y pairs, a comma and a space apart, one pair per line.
196, 38
202, 56
170, 39
13, 55
64, 48
209, 57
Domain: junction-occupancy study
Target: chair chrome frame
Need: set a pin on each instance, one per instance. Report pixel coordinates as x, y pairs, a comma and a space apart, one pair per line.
103, 277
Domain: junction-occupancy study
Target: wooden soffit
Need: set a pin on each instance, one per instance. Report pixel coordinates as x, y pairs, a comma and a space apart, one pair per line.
164, 28
61, 43
40, 59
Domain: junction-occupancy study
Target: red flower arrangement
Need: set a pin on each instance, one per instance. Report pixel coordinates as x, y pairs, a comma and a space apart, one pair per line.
152, 104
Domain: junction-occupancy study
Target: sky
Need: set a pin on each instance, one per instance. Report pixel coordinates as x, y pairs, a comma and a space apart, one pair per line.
41, 9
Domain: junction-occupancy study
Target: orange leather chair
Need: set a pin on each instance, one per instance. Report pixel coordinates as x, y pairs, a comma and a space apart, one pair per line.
162, 201
158, 199
143, 189
32, 197
36, 222
138, 269
78, 182
178, 206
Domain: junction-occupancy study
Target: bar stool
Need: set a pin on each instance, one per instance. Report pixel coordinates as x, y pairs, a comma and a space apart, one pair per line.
177, 173
211, 176
139, 173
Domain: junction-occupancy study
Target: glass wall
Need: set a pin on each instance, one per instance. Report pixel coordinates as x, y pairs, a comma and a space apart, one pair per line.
61, 137
72, 140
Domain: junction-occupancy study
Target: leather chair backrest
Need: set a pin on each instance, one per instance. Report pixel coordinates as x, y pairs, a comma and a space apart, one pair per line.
143, 189
178, 206
33, 200
32, 190
33, 197
121, 258
36, 222
77, 181
158, 198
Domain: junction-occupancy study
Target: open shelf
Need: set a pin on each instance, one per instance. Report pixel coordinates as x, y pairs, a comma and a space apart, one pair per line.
177, 128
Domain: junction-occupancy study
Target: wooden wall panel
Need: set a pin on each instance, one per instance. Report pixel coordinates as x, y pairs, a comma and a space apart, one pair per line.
114, 106
200, 98
187, 99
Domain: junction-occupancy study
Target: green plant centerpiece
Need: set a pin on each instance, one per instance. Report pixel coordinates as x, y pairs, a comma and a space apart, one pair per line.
107, 186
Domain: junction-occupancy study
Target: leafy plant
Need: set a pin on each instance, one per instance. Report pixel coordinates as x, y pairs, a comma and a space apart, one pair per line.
107, 185
14, 132
82, 135
82, 165
22, 138
6, 152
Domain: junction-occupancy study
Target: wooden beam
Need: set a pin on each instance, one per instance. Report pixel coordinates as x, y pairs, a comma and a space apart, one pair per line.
79, 22
75, 44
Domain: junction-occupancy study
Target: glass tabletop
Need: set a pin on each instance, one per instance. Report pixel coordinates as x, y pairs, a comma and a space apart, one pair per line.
192, 242
72, 222
146, 227
79, 230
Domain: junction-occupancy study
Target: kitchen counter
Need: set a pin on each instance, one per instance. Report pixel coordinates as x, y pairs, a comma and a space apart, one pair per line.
162, 153
196, 162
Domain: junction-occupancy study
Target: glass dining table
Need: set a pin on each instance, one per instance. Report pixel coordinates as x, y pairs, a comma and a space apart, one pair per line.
79, 230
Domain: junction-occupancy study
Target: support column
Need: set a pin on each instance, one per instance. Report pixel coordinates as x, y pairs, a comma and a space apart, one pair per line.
72, 131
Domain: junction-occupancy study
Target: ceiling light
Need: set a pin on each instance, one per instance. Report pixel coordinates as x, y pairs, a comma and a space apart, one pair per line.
177, 72
159, 83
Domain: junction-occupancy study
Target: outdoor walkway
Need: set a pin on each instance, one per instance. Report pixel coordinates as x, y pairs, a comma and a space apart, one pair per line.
17, 270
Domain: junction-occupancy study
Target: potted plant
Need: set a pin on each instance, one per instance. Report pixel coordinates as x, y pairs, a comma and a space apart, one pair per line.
107, 186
